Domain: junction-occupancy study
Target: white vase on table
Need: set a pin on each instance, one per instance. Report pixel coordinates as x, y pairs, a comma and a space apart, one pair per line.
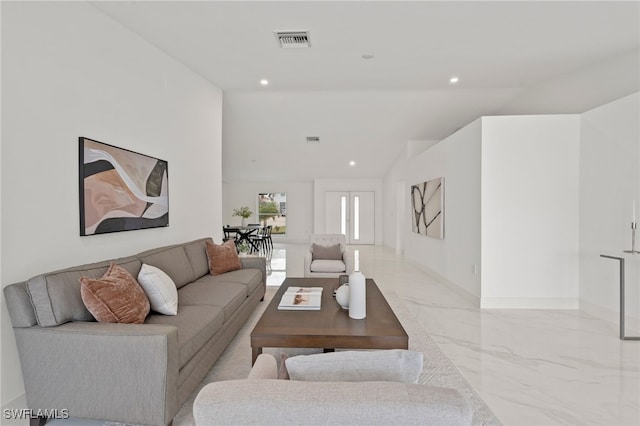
342, 296
357, 296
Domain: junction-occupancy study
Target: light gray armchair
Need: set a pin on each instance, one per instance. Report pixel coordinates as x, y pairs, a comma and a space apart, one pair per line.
323, 259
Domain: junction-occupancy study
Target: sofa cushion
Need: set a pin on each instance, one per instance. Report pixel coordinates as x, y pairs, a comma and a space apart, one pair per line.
195, 324
394, 365
56, 295
222, 258
228, 296
322, 265
326, 252
115, 297
252, 278
160, 289
197, 253
173, 261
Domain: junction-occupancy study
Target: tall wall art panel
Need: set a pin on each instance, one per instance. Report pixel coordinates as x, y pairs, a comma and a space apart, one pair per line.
427, 202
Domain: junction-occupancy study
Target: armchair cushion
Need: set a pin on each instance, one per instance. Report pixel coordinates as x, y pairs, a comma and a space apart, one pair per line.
326, 252
322, 265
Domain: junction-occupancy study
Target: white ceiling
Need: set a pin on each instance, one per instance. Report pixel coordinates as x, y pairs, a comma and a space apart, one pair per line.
366, 110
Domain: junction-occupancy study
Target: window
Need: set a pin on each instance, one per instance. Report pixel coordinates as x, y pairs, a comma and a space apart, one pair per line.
272, 210
356, 217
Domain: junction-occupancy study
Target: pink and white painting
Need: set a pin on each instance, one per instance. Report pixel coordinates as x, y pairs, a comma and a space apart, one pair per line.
121, 190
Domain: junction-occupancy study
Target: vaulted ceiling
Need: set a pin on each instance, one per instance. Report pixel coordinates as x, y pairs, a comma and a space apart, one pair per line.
365, 110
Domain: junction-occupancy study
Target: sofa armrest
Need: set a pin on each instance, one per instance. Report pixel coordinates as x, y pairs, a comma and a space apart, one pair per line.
255, 262
265, 367
241, 402
121, 372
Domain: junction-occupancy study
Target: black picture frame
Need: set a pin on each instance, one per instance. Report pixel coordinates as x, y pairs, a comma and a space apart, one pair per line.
120, 189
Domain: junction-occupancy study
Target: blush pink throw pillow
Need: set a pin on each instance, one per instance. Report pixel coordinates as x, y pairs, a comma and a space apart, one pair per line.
222, 258
116, 297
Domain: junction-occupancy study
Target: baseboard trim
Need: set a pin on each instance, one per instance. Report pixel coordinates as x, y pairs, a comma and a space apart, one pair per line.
18, 402
528, 303
464, 293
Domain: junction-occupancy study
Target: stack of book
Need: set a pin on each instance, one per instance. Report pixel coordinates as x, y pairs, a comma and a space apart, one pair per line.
301, 299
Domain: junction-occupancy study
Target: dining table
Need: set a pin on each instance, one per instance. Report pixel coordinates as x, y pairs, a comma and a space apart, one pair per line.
243, 233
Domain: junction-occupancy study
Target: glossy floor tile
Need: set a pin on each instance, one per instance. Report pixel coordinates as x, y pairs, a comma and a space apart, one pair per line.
532, 367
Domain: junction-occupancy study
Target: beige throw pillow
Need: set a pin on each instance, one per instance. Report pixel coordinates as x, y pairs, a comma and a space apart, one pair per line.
222, 258
116, 297
326, 252
394, 365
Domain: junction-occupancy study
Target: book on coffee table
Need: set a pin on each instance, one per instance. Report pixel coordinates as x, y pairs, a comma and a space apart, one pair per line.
301, 298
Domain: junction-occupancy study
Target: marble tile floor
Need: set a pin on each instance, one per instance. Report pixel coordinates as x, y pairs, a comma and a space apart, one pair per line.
532, 367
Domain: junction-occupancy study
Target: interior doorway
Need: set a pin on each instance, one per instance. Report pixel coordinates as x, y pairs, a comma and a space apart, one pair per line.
351, 213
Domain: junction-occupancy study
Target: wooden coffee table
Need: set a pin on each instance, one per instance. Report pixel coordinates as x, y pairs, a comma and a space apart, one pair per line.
330, 327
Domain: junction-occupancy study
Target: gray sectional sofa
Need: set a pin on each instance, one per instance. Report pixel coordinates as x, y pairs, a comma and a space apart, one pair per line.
131, 373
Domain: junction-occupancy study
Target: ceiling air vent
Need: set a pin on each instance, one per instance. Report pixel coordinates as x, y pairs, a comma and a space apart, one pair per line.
293, 39
313, 139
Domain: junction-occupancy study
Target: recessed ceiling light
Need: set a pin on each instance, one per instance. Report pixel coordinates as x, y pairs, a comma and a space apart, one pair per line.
264, 82
352, 163
368, 56
454, 80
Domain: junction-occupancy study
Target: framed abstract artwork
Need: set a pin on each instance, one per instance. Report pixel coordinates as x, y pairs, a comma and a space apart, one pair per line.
427, 202
121, 190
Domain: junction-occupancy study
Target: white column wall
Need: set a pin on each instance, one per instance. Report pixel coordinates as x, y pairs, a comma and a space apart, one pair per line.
609, 182
68, 71
457, 159
393, 223
530, 184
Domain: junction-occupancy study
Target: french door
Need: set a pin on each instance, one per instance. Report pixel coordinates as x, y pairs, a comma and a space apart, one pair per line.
351, 213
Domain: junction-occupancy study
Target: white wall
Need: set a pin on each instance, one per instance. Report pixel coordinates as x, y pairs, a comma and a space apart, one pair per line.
595, 85
530, 182
609, 182
394, 207
457, 159
321, 186
299, 206
511, 210
70, 71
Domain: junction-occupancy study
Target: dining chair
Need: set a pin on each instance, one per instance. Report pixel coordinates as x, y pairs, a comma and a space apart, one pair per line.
229, 234
262, 239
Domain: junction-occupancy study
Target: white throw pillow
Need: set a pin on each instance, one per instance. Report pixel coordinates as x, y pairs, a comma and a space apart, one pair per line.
160, 289
394, 365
